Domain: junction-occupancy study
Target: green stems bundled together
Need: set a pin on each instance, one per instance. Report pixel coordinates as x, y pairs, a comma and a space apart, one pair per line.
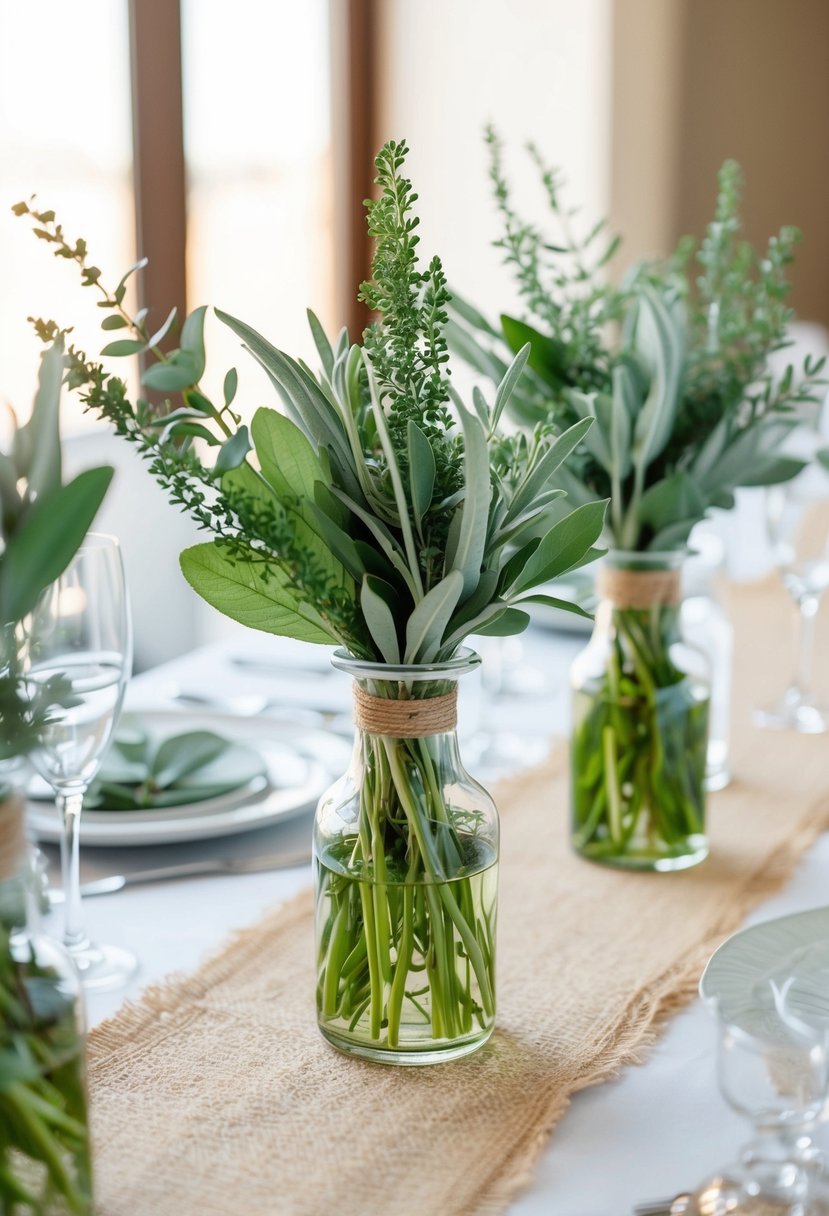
639, 749
44, 1139
406, 902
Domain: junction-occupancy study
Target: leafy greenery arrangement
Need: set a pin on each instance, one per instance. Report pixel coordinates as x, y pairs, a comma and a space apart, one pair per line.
141, 772
42, 525
672, 368
44, 1138
673, 371
381, 513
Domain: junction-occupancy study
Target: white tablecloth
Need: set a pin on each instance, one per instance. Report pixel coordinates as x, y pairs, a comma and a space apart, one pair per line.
655, 1130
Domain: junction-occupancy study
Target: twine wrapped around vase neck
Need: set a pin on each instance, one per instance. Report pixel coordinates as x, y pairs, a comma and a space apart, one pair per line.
399, 719
12, 836
639, 589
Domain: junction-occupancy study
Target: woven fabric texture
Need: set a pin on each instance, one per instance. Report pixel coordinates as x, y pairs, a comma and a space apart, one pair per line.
215, 1095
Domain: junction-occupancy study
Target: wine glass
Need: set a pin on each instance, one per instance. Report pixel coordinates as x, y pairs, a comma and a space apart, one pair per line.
797, 520
79, 648
773, 1068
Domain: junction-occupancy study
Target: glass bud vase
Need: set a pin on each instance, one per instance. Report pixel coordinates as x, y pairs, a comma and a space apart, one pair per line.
640, 723
406, 868
44, 1136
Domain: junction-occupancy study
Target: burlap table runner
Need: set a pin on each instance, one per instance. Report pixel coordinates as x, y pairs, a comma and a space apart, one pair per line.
216, 1095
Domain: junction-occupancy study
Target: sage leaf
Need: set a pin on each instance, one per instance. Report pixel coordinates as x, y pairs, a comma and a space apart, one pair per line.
379, 617
564, 547
428, 621
421, 470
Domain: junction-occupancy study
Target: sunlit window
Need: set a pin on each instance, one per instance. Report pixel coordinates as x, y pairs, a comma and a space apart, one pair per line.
258, 153
65, 134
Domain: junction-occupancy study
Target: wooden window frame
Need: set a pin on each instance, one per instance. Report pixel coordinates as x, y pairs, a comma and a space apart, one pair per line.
158, 151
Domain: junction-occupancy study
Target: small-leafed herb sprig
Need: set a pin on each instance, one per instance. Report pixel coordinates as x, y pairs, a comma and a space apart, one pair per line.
672, 366
377, 510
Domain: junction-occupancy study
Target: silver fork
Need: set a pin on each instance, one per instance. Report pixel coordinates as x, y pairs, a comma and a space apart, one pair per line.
676, 1206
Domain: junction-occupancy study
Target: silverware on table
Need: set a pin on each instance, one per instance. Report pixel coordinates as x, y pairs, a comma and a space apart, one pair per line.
676, 1206
190, 869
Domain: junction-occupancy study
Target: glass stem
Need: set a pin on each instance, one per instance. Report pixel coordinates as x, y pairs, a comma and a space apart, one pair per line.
807, 607
69, 807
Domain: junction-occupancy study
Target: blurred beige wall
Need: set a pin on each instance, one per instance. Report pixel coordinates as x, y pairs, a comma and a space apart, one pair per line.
696, 81
540, 70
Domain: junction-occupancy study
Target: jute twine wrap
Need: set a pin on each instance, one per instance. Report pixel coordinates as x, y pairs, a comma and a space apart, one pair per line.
413, 719
639, 588
215, 1095
12, 835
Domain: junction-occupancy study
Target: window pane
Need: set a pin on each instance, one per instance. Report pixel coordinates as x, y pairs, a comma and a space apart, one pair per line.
258, 150
65, 135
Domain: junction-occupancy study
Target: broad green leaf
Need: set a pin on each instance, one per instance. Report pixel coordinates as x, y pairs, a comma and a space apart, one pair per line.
428, 621
552, 601
338, 541
41, 549
173, 376
659, 342
512, 620
565, 545
192, 339
243, 591
41, 434
231, 383
481, 598
674, 536
774, 471
513, 568
509, 384
384, 538
468, 553
183, 754
290, 464
421, 470
195, 430
234, 450
124, 346
618, 423
322, 344
671, 500
548, 357
379, 618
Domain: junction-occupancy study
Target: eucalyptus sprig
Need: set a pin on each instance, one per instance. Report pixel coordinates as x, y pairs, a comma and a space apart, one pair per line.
377, 510
685, 406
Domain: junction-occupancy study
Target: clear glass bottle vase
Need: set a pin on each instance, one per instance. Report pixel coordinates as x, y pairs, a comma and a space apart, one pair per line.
406, 867
44, 1135
640, 723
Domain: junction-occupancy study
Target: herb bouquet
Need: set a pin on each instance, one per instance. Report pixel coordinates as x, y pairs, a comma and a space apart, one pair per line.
44, 1138
377, 512
673, 372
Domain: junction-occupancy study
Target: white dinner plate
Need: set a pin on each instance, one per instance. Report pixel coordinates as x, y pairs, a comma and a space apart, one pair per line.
790, 951
301, 763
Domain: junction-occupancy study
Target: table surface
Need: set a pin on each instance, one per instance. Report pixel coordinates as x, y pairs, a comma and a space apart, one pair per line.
658, 1128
